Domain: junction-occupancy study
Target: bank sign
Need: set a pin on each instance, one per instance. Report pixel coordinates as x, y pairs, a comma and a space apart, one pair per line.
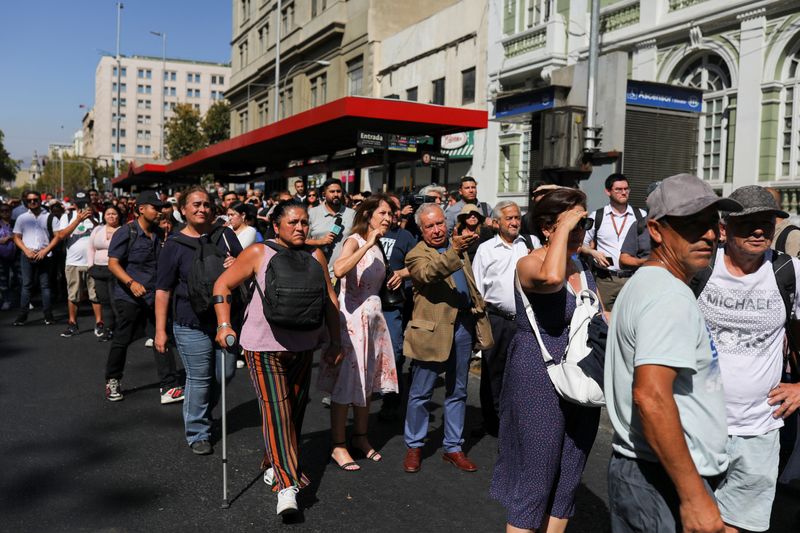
663, 96
530, 102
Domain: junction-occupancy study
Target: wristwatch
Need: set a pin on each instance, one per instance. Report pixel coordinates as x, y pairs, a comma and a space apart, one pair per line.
129, 283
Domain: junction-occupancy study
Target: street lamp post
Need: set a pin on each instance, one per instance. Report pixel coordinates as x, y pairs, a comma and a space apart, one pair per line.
119, 89
282, 87
163, 36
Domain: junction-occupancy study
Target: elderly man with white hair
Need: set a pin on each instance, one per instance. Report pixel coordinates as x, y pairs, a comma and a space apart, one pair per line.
494, 266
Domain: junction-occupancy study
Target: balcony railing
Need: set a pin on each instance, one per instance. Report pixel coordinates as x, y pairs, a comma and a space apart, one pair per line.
675, 5
616, 18
525, 42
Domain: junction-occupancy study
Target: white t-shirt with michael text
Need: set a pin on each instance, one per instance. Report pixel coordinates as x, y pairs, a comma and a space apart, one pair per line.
747, 318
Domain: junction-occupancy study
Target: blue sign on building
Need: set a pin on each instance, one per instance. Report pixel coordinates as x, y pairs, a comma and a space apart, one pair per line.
647, 94
525, 103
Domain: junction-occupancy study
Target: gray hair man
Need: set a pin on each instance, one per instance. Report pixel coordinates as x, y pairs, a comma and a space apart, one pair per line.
662, 378
742, 296
494, 266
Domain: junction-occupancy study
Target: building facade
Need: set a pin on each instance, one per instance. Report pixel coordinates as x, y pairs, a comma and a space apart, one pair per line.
703, 86
148, 89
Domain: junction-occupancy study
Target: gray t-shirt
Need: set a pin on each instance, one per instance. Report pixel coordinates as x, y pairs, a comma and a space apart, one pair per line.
320, 222
656, 321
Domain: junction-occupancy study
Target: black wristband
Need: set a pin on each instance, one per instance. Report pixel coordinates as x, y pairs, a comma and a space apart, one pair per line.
218, 299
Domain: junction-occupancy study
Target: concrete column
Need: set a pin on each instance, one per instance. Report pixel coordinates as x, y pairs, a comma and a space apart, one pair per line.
748, 116
645, 62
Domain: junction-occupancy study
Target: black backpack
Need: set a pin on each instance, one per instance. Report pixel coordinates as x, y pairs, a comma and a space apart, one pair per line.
780, 241
294, 289
207, 266
641, 221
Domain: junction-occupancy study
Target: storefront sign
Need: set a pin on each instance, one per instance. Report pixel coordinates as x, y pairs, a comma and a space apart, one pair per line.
370, 139
459, 145
434, 160
402, 143
664, 96
530, 102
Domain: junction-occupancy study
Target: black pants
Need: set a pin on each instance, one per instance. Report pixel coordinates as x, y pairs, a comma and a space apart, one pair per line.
132, 319
493, 365
104, 282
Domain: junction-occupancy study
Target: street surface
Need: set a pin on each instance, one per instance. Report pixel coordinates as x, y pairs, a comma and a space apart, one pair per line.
71, 461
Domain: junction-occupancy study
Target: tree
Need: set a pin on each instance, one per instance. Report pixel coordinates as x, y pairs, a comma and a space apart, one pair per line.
77, 176
8, 166
217, 123
182, 132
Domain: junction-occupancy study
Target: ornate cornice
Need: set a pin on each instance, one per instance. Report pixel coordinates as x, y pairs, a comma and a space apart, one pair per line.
753, 13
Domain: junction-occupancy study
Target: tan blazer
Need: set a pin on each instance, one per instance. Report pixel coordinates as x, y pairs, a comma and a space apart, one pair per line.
429, 334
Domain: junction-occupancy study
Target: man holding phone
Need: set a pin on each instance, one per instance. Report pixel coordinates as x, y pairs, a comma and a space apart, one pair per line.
330, 222
75, 229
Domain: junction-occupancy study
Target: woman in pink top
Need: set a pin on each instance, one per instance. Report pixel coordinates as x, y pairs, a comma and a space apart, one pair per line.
98, 266
279, 359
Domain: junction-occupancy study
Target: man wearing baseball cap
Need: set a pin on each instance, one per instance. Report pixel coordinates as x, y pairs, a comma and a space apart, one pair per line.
132, 259
743, 296
662, 379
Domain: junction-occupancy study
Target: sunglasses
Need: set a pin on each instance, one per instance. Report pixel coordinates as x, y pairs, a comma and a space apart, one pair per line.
585, 224
32, 200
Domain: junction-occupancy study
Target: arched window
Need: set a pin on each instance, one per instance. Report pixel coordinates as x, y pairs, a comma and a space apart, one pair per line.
711, 74
789, 134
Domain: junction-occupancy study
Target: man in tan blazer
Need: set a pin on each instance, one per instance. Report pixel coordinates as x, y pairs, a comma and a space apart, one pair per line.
449, 319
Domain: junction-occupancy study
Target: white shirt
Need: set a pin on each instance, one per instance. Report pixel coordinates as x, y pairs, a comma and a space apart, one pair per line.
247, 236
494, 266
614, 228
746, 316
78, 241
33, 229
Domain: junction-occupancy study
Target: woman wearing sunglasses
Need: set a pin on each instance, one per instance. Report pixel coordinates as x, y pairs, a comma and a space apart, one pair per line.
544, 441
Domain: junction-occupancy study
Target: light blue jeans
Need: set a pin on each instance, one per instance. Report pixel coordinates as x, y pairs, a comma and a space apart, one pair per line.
200, 354
423, 379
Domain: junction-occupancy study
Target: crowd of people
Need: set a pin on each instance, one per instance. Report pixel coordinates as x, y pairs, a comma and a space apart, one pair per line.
691, 335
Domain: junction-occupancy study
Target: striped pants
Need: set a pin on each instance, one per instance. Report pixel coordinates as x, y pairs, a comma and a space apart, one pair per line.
281, 380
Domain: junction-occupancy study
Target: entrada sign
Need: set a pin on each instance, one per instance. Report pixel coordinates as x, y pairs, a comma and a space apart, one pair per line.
369, 139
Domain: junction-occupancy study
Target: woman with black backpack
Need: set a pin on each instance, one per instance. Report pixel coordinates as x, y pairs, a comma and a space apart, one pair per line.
279, 336
193, 328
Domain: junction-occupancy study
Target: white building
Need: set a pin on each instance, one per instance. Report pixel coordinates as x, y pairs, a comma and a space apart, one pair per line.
704, 86
148, 89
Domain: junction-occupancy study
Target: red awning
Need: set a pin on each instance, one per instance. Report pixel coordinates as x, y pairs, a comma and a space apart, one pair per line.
325, 130
140, 175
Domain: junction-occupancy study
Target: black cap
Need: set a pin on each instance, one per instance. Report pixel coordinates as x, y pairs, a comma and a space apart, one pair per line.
81, 199
150, 198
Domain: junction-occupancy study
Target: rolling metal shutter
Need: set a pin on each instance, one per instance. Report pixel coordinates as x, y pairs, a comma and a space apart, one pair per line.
658, 144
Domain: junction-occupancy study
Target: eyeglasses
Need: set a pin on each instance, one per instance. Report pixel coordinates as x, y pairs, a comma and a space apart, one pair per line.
32, 200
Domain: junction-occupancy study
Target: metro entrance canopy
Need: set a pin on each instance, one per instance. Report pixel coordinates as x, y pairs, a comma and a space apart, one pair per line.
313, 142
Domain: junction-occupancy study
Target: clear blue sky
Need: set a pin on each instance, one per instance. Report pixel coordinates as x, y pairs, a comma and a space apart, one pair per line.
49, 50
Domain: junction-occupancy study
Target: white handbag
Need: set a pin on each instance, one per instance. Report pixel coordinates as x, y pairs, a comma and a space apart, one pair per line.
569, 380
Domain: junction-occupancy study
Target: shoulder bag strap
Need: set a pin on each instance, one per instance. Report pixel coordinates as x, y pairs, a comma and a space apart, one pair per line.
780, 242
598, 219
548, 359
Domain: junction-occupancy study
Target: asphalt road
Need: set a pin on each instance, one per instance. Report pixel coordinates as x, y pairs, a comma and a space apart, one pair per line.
71, 461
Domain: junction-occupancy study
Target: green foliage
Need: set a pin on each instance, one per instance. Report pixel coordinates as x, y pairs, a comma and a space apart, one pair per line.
217, 123
182, 132
77, 176
8, 166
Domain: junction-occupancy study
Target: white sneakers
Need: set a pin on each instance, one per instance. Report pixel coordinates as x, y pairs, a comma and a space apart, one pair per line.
287, 501
287, 498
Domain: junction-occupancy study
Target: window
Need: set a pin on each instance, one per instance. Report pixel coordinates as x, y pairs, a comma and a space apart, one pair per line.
144, 73
143, 149
169, 106
242, 121
263, 38
468, 86
143, 135
122, 87
710, 73
355, 76
286, 102
262, 113
193, 93
392, 97
114, 148
170, 75
437, 91
244, 10
243, 54
319, 90
196, 106
122, 116
143, 119
143, 104
122, 133
318, 6
287, 19
122, 102
124, 72
170, 91
192, 77
411, 94
144, 89
217, 79
519, 15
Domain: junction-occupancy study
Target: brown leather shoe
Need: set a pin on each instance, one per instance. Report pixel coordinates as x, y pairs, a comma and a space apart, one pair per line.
460, 461
413, 460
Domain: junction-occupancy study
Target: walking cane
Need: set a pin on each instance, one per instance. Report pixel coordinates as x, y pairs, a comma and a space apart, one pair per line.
230, 341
